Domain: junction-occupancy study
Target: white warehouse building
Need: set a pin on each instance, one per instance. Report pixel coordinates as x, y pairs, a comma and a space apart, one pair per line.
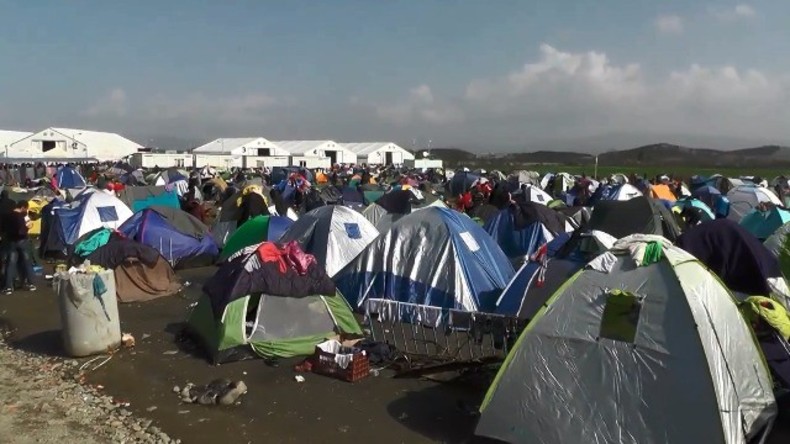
304, 152
67, 143
240, 152
380, 153
9, 137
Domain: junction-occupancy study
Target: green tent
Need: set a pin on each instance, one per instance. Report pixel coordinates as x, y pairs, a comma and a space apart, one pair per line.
271, 326
254, 231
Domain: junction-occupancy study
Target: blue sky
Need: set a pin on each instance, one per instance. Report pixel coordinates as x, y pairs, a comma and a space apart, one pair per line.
489, 74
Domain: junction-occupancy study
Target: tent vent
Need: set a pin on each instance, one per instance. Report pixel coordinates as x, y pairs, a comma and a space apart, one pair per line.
620, 316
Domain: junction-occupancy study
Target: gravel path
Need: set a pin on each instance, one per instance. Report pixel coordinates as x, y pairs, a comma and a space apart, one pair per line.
43, 400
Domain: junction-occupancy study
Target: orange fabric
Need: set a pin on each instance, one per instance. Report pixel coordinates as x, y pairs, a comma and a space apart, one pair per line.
321, 178
662, 191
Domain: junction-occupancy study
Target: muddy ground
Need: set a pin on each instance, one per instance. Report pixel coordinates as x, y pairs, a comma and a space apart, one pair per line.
276, 409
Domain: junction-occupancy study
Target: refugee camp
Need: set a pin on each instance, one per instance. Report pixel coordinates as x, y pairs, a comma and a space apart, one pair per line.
395, 222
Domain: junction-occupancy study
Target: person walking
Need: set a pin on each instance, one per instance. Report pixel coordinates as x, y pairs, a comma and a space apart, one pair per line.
16, 249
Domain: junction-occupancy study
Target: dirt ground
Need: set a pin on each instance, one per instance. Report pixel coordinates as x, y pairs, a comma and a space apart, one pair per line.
137, 403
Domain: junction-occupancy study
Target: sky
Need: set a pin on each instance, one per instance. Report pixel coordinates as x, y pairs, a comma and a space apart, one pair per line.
487, 75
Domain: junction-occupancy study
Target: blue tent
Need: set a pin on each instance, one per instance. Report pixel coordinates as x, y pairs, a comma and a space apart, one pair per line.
535, 282
762, 224
516, 241
696, 203
178, 236
68, 178
434, 257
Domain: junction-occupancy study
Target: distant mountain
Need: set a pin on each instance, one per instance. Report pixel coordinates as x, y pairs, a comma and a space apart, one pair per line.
659, 154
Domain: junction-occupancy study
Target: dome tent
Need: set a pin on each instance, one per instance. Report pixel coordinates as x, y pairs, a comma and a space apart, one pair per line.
251, 307
254, 231
178, 236
68, 178
606, 335
434, 257
89, 212
334, 234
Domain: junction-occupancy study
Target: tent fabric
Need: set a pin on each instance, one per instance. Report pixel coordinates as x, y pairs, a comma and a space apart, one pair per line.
662, 191
183, 248
623, 191
247, 273
692, 358
762, 224
68, 177
335, 235
271, 326
744, 198
433, 257
779, 246
141, 273
638, 215
255, 231
517, 242
88, 213
733, 254
140, 198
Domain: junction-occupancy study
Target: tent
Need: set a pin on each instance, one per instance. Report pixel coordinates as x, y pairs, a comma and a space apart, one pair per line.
254, 231
140, 198
733, 254
745, 198
67, 177
763, 223
141, 273
252, 307
639, 215
705, 213
520, 234
461, 182
535, 194
779, 245
624, 191
622, 353
662, 191
178, 236
334, 234
434, 257
89, 212
536, 280
389, 208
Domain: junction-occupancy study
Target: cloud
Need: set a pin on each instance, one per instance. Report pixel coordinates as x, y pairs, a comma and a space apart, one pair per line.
576, 94
669, 24
420, 106
114, 103
246, 108
741, 11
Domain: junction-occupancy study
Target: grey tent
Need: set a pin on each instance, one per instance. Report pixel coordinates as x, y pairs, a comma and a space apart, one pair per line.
633, 351
334, 234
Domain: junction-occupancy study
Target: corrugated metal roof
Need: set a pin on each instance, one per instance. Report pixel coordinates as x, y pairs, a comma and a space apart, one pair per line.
224, 146
302, 146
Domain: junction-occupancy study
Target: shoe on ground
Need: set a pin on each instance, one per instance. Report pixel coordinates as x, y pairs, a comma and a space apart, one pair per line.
30, 287
8, 291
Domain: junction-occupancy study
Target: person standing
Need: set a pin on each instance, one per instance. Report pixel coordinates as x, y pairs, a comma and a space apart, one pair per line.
16, 249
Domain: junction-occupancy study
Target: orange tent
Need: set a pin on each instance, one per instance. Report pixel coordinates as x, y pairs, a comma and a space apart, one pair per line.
662, 191
321, 178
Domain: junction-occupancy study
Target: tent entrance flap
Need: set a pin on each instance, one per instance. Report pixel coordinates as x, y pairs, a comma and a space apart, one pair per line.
285, 317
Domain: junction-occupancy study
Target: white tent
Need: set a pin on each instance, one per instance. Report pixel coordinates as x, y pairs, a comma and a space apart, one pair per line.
744, 198
65, 143
634, 352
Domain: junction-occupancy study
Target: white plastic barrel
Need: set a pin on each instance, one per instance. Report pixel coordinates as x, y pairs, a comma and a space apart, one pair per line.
90, 321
